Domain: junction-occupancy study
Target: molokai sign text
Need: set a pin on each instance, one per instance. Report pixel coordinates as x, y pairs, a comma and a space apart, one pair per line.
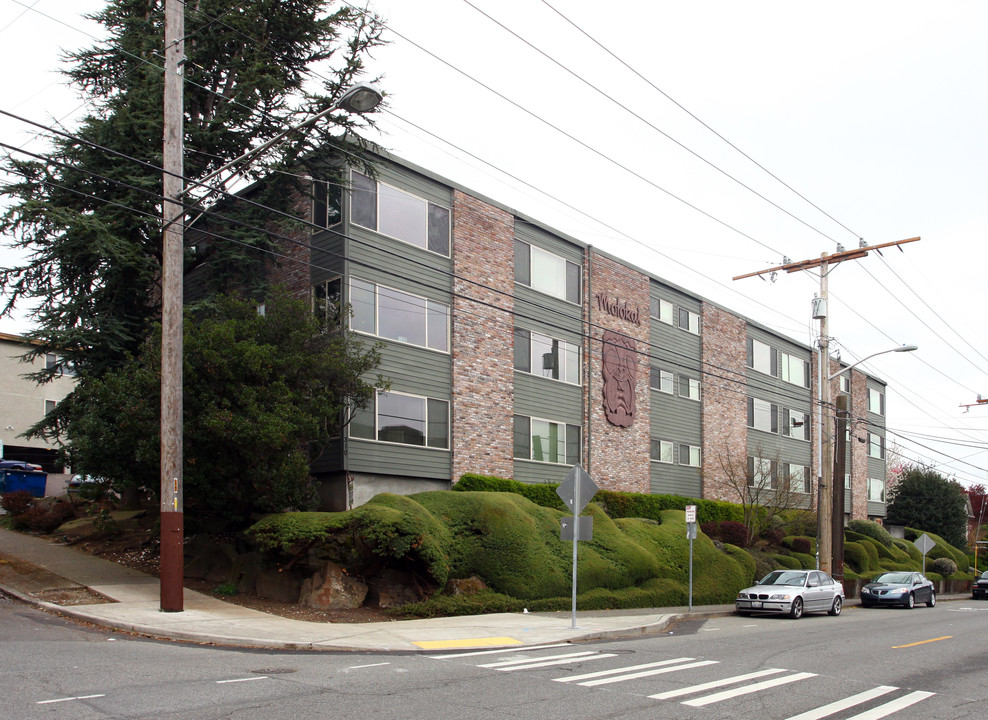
618, 308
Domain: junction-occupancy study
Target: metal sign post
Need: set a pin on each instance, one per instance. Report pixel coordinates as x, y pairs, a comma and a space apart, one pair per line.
576, 491
691, 536
924, 543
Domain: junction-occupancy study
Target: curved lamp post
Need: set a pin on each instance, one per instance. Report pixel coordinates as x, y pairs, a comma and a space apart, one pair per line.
827, 491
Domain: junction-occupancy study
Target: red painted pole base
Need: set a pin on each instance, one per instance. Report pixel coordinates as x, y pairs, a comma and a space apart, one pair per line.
172, 563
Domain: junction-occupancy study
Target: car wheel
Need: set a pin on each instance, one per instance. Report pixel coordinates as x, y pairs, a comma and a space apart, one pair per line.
796, 611
910, 602
836, 608
933, 599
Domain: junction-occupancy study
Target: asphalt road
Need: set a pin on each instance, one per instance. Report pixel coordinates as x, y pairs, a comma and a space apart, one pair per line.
923, 663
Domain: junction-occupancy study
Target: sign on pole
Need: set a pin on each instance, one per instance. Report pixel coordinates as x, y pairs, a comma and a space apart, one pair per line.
924, 543
575, 491
691, 536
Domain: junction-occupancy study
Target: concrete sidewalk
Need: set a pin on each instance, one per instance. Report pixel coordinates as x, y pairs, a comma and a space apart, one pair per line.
135, 607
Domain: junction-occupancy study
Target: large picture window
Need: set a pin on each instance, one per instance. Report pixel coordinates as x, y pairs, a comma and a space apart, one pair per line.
546, 356
876, 401
396, 315
763, 474
876, 489
546, 441
763, 415
399, 214
403, 419
766, 359
546, 272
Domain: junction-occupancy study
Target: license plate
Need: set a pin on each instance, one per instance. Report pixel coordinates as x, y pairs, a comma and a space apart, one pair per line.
756, 603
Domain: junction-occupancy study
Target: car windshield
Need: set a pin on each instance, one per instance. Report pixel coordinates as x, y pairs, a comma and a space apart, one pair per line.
985, 574
784, 577
894, 578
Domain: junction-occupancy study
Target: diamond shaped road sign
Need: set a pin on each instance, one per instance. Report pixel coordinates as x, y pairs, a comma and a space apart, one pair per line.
925, 543
577, 489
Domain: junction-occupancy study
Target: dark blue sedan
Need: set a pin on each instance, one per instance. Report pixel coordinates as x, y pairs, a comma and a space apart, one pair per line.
899, 588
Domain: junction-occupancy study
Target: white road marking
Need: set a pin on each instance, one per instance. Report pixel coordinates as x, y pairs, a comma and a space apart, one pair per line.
647, 673
360, 667
239, 680
617, 671
893, 706
494, 652
747, 690
532, 663
68, 699
835, 707
715, 684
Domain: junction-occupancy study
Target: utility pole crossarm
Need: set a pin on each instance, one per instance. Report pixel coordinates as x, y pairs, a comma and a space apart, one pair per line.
837, 257
976, 403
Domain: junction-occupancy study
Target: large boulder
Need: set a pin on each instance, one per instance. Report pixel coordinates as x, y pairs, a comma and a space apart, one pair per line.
332, 589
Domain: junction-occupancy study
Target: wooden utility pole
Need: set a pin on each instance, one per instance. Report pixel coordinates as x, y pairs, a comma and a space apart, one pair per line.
172, 562
825, 422
840, 469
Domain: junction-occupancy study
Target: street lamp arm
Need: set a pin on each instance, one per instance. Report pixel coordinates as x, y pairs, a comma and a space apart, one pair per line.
904, 348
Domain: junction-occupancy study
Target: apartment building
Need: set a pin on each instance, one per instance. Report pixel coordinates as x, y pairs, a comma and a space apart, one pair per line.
517, 351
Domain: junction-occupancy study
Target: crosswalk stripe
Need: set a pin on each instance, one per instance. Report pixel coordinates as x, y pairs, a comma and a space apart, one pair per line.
893, 706
616, 671
693, 689
523, 661
835, 707
534, 663
500, 651
647, 673
748, 689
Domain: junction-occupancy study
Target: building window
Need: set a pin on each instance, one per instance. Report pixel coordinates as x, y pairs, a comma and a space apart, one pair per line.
845, 384
876, 401
546, 441
327, 298
795, 424
661, 310
799, 478
763, 415
327, 204
397, 315
51, 360
689, 321
403, 419
876, 490
689, 455
762, 473
547, 273
546, 356
398, 214
50, 405
876, 446
661, 380
689, 388
661, 451
766, 359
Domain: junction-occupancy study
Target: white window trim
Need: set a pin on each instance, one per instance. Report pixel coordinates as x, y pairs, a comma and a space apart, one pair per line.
377, 323
699, 455
377, 424
672, 447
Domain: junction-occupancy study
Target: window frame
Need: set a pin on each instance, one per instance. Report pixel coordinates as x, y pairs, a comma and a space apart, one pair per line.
882, 483
427, 421
755, 412
691, 383
430, 309
571, 294
692, 320
876, 442
665, 311
874, 393
689, 452
662, 445
564, 436
667, 380
565, 350
380, 211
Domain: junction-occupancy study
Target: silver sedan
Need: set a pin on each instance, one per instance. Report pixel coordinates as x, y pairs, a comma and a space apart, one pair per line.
792, 592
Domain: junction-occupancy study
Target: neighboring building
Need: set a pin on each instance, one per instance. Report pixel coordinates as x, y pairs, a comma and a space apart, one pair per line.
517, 351
23, 403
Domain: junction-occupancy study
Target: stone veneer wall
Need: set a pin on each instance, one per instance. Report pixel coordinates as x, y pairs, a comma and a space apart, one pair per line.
618, 457
859, 451
725, 403
482, 428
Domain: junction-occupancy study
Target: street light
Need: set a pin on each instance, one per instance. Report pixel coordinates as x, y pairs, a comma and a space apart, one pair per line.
827, 492
357, 99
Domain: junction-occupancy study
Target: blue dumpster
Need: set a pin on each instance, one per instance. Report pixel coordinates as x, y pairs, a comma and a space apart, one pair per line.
16, 475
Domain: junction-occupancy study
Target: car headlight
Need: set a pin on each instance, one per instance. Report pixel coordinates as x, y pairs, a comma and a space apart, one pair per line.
898, 591
780, 596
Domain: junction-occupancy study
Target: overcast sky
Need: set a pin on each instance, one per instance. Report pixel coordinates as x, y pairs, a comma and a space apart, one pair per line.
700, 141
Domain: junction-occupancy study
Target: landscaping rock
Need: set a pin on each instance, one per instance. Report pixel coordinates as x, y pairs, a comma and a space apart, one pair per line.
394, 588
332, 589
465, 586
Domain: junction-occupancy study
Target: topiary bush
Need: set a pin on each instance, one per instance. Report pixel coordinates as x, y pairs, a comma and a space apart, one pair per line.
872, 530
856, 557
943, 566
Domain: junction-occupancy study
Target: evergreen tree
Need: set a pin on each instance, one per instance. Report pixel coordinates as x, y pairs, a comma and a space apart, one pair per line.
88, 213
926, 500
263, 395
